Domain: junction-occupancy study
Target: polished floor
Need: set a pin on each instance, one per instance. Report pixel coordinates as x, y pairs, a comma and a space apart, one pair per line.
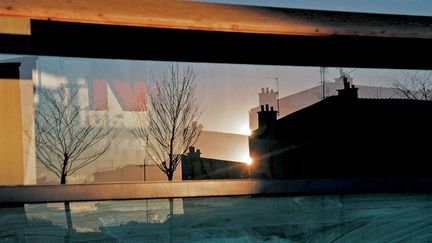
332, 218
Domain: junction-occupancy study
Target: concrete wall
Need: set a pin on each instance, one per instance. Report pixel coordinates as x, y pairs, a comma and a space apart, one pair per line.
28, 137
140, 190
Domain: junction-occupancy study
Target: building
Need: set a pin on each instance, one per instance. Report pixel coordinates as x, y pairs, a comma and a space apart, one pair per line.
292, 103
195, 167
344, 136
17, 129
133, 172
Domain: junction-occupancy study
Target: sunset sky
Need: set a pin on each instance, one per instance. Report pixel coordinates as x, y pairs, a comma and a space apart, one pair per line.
225, 92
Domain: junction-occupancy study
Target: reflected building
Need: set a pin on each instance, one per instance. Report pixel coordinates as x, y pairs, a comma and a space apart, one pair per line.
17, 163
292, 103
195, 167
344, 136
94, 216
104, 89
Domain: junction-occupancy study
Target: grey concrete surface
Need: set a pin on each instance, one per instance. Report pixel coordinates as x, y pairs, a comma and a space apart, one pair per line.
205, 188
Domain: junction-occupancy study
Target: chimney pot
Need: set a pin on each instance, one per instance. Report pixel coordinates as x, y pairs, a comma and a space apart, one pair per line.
267, 107
262, 90
271, 108
191, 150
262, 107
267, 89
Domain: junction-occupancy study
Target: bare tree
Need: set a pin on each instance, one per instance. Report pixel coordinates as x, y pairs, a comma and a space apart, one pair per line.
169, 126
66, 143
415, 86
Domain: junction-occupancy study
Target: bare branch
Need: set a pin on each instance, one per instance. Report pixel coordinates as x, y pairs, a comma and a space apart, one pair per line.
169, 126
64, 143
415, 86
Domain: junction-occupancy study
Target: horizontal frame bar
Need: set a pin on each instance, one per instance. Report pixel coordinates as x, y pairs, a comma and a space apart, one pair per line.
120, 42
208, 188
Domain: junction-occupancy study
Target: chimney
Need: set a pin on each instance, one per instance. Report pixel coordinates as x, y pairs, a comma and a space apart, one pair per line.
349, 91
191, 150
267, 97
266, 117
194, 153
346, 83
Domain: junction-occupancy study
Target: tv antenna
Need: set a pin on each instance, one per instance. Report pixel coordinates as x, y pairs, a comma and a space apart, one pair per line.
323, 81
345, 74
277, 93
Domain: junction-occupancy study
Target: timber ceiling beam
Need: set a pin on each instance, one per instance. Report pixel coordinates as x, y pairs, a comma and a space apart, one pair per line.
220, 17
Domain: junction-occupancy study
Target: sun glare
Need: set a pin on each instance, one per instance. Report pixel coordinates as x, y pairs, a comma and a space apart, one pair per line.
246, 159
245, 130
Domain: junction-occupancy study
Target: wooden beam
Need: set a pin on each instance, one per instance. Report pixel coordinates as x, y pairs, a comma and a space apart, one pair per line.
220, 17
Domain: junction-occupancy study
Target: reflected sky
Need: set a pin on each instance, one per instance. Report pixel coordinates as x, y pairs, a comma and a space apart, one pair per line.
225, 92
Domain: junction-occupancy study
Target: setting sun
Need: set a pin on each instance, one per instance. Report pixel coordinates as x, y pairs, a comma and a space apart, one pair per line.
245, 130
247, 159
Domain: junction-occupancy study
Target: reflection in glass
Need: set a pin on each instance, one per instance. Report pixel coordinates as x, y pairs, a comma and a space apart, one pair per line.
348, 218
230, 96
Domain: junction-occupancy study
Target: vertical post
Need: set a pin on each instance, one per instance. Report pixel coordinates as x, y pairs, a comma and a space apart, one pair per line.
11, 129
323, 82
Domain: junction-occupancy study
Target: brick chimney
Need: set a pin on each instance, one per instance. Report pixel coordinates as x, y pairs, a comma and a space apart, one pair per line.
193, 152
349, 91
266, 116
269, 97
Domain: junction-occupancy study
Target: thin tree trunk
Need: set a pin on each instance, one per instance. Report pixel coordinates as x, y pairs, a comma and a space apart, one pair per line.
170, 175
63, 174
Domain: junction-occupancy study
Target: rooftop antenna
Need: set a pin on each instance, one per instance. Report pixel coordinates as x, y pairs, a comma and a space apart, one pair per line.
323, 81
277, 93
345, 74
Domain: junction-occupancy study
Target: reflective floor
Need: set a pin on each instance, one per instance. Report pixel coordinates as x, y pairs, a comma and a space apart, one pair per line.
347, 218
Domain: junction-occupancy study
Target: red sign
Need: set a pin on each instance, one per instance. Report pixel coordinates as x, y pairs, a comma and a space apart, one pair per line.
130, 96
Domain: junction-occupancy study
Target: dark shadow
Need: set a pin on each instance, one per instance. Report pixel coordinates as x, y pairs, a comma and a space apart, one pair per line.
68, 221
10, 70
345, 136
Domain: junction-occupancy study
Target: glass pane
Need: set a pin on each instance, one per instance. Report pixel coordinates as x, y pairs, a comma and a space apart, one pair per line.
82, 120
348, 218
